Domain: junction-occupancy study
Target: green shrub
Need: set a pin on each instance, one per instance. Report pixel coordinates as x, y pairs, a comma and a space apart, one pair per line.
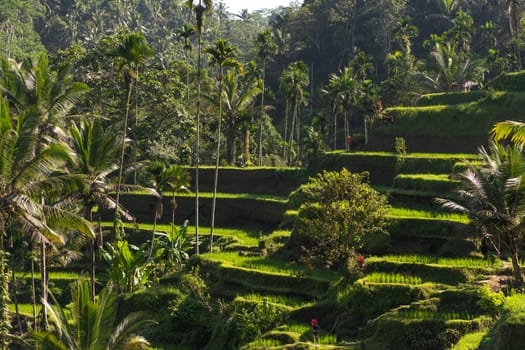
338, 211
509, 331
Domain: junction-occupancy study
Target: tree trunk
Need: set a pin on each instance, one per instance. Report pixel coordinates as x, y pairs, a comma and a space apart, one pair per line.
262, 115
246, 146
516, 268
33, 293
43, 278
217, 162
158, 215
121, 165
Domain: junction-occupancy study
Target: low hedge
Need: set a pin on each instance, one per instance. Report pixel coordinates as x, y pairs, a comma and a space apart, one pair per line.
433, 273
266, 282
450, 98
425, 182
512, 81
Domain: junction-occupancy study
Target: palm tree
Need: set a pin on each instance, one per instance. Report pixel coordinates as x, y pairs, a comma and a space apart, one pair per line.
239, 99
131, 52
29, 171
42, 100
266, 47
174, 178
90, 324
509, 128
294, 80
200, 7
185, 33
96, 150
493, 196
40, 94
223, 55
344, 90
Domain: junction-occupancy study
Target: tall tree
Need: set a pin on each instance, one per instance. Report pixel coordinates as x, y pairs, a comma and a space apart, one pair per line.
293, 81
200, 8
222, 55
29, 172
265, 49
344, 89
131, 51
239, 99
185, 33
96, 150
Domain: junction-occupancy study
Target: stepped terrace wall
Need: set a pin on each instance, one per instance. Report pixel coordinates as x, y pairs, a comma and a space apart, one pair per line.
229, 211
447, 128
277, 181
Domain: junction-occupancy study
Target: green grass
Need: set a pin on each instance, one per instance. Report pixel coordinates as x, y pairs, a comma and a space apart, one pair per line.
406, 213
270, 265
393, 278
413, 154
435, 315
247, 236
430, 260
470, 341
266, 197
25, 309
277, 299
54, 275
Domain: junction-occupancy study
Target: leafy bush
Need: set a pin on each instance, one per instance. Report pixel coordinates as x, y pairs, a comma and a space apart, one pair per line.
338, 209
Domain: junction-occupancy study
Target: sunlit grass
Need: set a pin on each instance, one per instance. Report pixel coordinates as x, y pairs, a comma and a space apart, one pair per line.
393, 278
413, 155
470, 341
246, 236
25, 309
270, 265
304, 329
277, 299
435, 315
397, 212
54, 275
455, 262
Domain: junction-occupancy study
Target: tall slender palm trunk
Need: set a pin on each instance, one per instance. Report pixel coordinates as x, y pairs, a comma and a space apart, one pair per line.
197, 141
217, 162
121, 165
262, 114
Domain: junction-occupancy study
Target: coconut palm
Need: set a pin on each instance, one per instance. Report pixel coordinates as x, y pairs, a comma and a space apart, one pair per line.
200, 8
174, 178
42, 99
132, 50
266, 47
39, 93
239, 99
222, 55
493, 196
28, 176
89, 325
344, 90
293, 81
185, 33
96, 150
509, 128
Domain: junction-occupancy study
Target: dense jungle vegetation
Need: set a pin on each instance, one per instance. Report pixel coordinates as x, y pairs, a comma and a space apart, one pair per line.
174, 175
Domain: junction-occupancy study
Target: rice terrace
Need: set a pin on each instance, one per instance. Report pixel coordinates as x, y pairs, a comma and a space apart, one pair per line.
331, 174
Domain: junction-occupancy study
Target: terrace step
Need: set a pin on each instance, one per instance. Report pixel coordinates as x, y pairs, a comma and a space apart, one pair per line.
256, 281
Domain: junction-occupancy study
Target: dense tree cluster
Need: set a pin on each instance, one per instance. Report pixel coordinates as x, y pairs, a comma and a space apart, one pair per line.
392, 50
